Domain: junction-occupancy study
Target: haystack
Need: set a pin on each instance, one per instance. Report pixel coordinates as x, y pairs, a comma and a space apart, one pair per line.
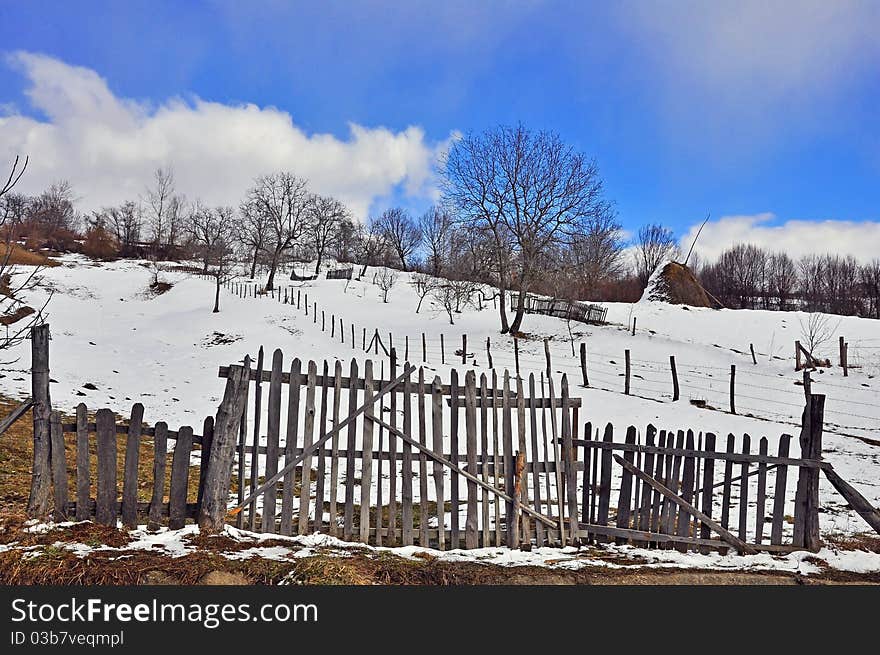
676, 284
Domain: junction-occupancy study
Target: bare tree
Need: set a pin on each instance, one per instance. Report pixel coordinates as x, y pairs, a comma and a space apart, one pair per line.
157, 199
435, 226
401, 233
655, 245
325, 216
424, 285
529, 192
817, 330
282, 198
385, 280
214, 232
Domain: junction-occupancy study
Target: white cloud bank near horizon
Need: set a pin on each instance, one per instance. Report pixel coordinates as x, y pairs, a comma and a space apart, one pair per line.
108, 147
861, 239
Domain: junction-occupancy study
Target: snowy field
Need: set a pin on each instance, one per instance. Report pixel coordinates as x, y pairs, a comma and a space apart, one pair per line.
111, 332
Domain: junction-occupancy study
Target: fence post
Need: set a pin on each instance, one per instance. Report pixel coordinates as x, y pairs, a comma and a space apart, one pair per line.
807, 381
674, 378
752, 349
464, 349
845, 359
212, 513
516, 354
626, 371
634, 326
546, 356
584, 364
38, 502
424, 349
840, 351
298, 295
406, 348
489, 351
797, 355
332, 325
806, 506
732, 388
364, 346
442, 350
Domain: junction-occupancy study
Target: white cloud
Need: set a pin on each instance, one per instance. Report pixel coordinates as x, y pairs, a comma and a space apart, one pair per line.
108, 146
795, 237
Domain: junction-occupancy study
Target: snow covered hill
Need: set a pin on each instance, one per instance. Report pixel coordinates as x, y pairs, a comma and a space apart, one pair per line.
111, 332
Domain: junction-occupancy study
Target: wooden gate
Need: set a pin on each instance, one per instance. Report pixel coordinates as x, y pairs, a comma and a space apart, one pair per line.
404, 458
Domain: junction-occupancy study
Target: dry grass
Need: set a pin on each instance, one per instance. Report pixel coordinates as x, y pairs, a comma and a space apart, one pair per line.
25, 257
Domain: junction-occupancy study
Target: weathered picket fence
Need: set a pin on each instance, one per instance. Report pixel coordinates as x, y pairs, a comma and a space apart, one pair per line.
567, 309
103, 491
355, 457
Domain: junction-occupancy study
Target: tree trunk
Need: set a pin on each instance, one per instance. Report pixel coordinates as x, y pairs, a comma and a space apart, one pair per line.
254, 262
503, 309
217, 295
520, 312
270, 283
318, 265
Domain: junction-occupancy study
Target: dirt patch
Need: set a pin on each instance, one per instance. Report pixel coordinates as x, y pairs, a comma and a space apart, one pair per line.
158, 288
17, 315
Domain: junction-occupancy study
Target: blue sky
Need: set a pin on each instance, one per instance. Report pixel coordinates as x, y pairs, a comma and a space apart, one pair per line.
765, 111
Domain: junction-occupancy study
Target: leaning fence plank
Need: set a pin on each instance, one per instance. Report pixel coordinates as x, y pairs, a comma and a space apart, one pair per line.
255, 459
83, 481
367, 461
160, 456
779, 493
291, 441
741, 546
105, 511
334, 449
273, 431
305, 483
59, 466
423, 463
857, 501
437, 443
318, 523
744, 490
15, 414
761, 499
179, 478
348, 518
471, 534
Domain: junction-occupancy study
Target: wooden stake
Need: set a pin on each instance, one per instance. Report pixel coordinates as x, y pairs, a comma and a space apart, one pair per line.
674, 378
752, 348
732, 388
489, 351
546, 356
626, 371
516, 354
464, 349
584, 364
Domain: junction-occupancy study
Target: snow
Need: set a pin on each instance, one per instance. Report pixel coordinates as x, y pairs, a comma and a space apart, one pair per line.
174, 543
164, 350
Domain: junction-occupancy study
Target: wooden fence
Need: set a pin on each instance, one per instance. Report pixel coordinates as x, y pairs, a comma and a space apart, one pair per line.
113, 463
567, 309
474, 462
340, 274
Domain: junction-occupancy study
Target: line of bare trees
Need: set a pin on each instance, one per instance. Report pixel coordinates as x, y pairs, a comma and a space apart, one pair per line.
746, 276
